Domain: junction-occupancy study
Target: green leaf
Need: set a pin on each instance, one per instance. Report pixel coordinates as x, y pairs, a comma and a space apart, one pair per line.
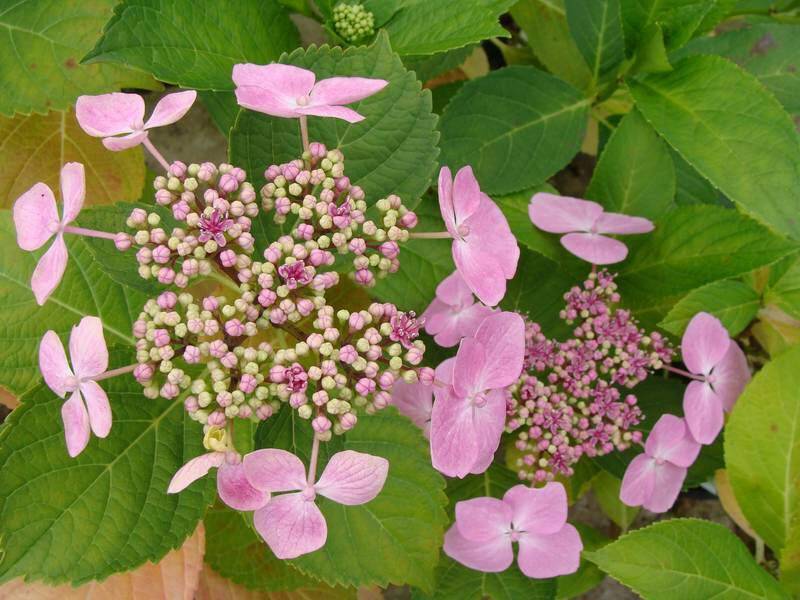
424, 27
428, 67
545, 25
43, 42
396, 537
77, 519
770, 51
393, 151
195, 44
784, 292
692, 188
515, 209
744, 143
686, 558
790, 559
762, 449
222, 107
606, 490
454, 580
635, 174
651, 55
493, 482
597, 30
588, 575
732, 302
693, 246
84, 290
516, 126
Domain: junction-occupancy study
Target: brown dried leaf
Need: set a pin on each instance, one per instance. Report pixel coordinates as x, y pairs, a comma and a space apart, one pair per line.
215, 587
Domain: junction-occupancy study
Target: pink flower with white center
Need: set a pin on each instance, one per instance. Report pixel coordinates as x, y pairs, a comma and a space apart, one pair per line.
87, 407
118, 118
484, 249
405, 328
585, 222
482, 536
470, 410
294, 274
292, 524
213, 227
721, 374
453, 314
415, 401
232, 485
654, 479
290, 92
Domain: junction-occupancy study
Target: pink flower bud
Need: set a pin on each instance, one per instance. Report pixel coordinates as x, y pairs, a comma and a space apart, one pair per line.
190, 404
363, 276
355, 322
167, 300
266, 298
138, 216
210, 303
409, 220
166, 275
164, 197
190, 267
247, 195
229, 360
122, 241
277, 316
272, 172
139, 328
390, 249
272, 254
264, 412
158, 236
326, 196
414, 355
191, 354
228, 183
356, 193
247, 383
305, 306
169, 390
161, 254
227, 258
217, 348
305, 231
180, 210
348, 421
177, 169
160, 337
365, 386
297, 399
234, 328
290, 171
386, 380
348, 354
320, 398
426, 376
224, 399
317, 150
342, 183
321, 424
357, 246
143, 372
381, 400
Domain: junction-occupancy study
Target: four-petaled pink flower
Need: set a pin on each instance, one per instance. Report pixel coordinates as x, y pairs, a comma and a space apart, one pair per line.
405, 328
87, 407
482, 536
36, 220
484, 249
470, 410
214, 227
654, 478
292, 524
709, 353
415, 401
295, 274
453, 314
585, 222
118, 118
232, 485
288, 91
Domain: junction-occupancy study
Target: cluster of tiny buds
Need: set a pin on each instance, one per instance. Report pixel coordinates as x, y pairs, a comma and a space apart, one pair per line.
215, 206
568, 401
353, 22
330, 214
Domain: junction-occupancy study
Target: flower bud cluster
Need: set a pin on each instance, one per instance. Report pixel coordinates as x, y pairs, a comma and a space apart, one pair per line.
214, 206
571, 399
353, 22
330, 215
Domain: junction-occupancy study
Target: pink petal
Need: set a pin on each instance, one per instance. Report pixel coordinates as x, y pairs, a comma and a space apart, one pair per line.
413, 400
481, 271
454, 291
503, 337
449, 326
562, 214
35, 217
639, 481
76, 424
490, 557
53, 364
668, 480
619, 223
538, 510
437, 316
444, 374
704, 412
490, 422
337, 112
291, 526
670, 440
489, 229
344, 90
545, 556
116, 144
195, 469
272, 89
704, 343
73, 190
275, 470
98, 407
731, 376
468, 372
483, 519
353, 478
235, 490
87, 348
454, 444
445, 191
594, 248
466, 194
110, 114
49, 270
171, 108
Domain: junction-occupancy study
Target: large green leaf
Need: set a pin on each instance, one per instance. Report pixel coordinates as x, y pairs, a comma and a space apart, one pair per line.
84, 290
635, 174
606, 489
762, 449
688, 559
732, 302
743, 142
425, 27
77, 519
588, 575
42, 42
516, 126
195, 44
784, 290
597, 30
429, 66
494, 482
392, 151
396, 537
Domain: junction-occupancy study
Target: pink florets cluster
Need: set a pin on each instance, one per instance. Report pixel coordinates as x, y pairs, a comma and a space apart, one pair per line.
571, 399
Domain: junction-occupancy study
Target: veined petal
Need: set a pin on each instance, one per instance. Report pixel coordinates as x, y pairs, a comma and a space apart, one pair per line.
482, 272
87, 348
468, 372
353, 478
53, 364
489, 230
235, 490
98, 407
414, 400
337, 112
562, 214
544, 556
272, 89
503, 337
594, 248
670, 440
490, 557
116, 144
619, 223
704, 343
73, 190
109, 114
344, 90
454, 291
171, 108
668, 480
731, 376
49, 270
466, 194
274, 470
541, 511
703, 411
454, 443
490, 420
638, 481
445, 192
291, 525
195, 469
483, 519
35, 217
76, 424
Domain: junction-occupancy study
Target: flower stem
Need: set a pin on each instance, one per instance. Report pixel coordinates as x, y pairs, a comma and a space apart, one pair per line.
304, 131
678, 371
90, 232
431, 235
759, 550
156, 154
114, 372
312, 465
